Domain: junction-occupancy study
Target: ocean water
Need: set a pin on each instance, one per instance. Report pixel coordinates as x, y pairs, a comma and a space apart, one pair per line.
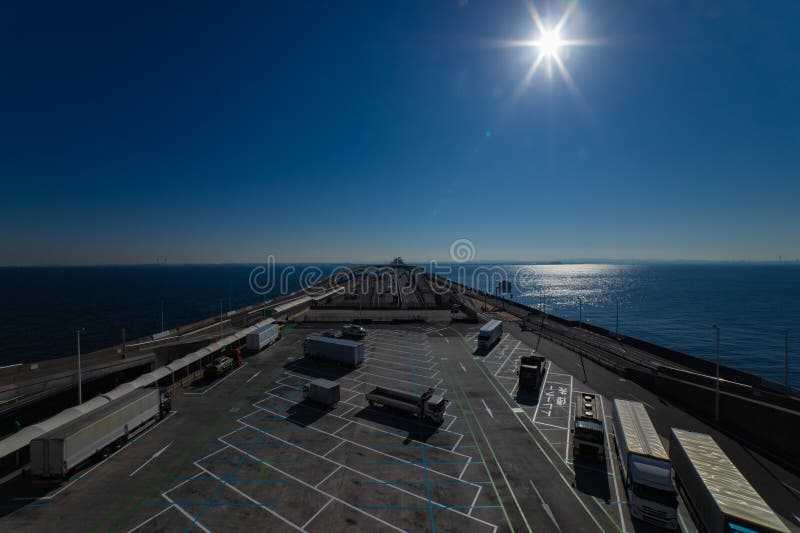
671, 305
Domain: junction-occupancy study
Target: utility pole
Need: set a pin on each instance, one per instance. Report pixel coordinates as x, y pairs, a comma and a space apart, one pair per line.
80, 376
716, 395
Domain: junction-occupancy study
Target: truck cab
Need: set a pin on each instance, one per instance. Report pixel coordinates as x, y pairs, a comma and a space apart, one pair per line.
354, 331
588, 433
219, 367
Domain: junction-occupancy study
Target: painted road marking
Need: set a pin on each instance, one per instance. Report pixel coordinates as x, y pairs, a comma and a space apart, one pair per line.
517, 410
253, 377
545, 506
487, 408
159, 452
462, 366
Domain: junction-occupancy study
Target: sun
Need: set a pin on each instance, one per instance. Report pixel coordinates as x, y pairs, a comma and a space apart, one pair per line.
550, 42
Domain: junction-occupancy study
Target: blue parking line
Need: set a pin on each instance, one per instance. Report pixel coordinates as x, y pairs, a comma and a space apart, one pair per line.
237, 480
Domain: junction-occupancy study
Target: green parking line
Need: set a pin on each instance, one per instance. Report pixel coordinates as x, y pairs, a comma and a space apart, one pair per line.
491, 450
149, 486
569, 486
480, 452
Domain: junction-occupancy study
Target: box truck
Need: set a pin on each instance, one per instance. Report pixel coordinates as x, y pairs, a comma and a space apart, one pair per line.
718, 496
262, 337
58, 452
426, 405
531, 372
645, 465
489, 334
322, 391
340, 351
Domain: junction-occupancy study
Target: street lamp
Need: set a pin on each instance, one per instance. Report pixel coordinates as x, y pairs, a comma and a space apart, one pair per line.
80, 376
616, 330
580, 312
716, 394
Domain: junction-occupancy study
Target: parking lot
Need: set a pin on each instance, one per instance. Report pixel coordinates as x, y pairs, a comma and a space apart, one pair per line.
302, 466
248, 451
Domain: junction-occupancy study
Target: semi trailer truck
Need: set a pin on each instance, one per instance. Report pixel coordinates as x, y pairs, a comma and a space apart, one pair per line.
645, 465
340, 351
262, 337
489, 334
718, 496
58, 452
427, 406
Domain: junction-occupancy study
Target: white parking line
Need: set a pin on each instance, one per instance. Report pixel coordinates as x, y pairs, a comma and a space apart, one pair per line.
507, 358
610, 457
217, 382
253, 377
187, 515
569, 420
162, 511
316, 514
247, 496
155, 455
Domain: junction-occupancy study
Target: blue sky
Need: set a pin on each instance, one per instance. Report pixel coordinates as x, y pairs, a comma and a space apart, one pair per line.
357, 131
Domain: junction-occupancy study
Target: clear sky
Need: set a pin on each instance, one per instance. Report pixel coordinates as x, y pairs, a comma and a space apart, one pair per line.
356, 131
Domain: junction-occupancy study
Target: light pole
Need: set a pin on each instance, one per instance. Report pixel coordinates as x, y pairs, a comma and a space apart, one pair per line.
80, 376
580, 312
716, 394
616, 330
162, 315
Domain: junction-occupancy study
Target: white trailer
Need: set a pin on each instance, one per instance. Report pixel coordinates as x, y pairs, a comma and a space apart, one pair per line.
645, 466
58, 452
340, 351
262, 337
489, 334
716, 493
426, 405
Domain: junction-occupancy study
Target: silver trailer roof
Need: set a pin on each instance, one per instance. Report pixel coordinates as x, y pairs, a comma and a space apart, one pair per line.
640, 435
71, 427
731, 490
489, 326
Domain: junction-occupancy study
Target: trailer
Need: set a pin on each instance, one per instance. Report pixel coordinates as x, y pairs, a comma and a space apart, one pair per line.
588, 433
531, 372
58, 452
645, 466
427, 406
489, 334
340, 351
262, 337
322, 391
718, 496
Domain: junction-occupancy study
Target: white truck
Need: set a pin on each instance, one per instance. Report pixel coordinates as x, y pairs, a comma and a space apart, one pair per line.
322, 391
262, 337
340, 351
645, 466
427, 406
717, 495
489, 334
58, 452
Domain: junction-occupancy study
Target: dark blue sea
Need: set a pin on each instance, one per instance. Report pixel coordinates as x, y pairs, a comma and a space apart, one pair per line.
671, 305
